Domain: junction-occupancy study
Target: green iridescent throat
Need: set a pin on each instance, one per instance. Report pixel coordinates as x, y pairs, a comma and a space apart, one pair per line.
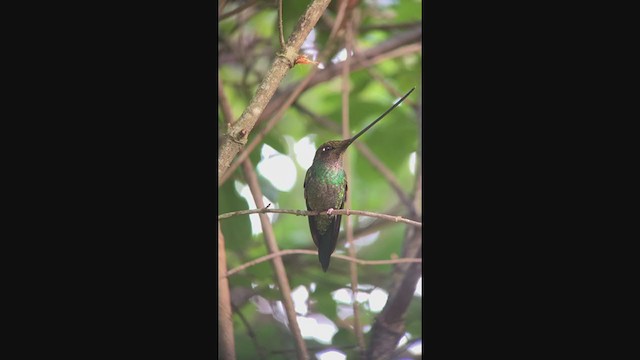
330, 174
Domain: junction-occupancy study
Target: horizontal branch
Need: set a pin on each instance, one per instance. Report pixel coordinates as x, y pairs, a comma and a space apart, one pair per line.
346, 212
314, 252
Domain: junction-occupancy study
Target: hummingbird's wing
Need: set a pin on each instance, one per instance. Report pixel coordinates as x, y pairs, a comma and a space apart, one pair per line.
312, 223
335, 227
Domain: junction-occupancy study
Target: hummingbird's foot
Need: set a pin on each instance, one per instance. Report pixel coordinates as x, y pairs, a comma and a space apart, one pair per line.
330, 211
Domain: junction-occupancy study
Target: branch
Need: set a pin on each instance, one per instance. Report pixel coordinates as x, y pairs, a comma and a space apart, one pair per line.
284, 107
251, 333
353, 268
390, 26
346, 212
280, 30
314, 348
389, 325
403, 44
374, 226
235, 139
221, 7
390, 88
278, 266
360, 232
225, 323
237, 10
224, 103
386, 173
404, 348
315, 253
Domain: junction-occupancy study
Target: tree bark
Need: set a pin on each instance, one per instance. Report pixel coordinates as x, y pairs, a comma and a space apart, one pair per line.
236, 137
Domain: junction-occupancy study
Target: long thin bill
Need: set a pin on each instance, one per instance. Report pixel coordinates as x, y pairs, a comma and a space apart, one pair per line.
381, 116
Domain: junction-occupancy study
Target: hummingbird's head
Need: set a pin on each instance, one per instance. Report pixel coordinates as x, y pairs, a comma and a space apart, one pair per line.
331, 151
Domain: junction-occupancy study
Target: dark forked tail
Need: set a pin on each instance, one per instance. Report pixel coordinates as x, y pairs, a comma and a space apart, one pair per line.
327, 241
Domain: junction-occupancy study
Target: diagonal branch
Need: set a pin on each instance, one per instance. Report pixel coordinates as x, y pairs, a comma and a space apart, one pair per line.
403, 44
283, 108
225, 106
389, 326
390, 88
280, 30
235, 139
237, 10
221, 6
251, 333
278, 266
390, 26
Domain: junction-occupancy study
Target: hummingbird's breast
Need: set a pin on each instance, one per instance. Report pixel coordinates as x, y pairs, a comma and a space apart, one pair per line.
325, 187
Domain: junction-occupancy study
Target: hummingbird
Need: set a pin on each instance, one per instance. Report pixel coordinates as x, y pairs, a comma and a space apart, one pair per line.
325, 189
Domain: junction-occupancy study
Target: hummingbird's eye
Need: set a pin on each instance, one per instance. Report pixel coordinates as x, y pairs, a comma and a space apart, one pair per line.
326, 148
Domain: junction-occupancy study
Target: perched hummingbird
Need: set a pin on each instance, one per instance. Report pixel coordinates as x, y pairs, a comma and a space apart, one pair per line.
325, 188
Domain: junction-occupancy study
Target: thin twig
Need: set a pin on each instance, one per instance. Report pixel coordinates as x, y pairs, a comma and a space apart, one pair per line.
246, 16
227, 346
315, 253
386, 173
390, 88
390, 323
373, 227
418, 186
401, 51
411, 244
314, 348
278, 266
353, 268
237, 10
316, 213
280, 112
251, 333
280, 30
224, 102
236, 138
360, 61
221, 7
402, 349
358, 233
386, 50
272, 246
260, 136
390, 26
